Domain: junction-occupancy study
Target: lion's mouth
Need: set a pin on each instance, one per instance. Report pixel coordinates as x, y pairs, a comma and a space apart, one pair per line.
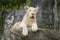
32, 17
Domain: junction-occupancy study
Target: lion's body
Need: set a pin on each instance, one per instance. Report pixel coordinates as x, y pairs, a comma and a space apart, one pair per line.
29, 20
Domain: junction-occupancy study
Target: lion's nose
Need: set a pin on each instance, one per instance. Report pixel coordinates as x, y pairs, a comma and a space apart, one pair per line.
32, 14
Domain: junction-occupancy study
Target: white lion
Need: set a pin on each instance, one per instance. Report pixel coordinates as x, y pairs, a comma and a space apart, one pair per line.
29, 21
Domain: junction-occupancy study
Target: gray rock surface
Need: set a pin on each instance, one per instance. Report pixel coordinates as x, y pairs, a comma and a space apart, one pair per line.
41, 34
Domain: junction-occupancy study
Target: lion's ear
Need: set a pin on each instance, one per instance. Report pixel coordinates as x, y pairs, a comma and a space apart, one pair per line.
26, 7
37, 8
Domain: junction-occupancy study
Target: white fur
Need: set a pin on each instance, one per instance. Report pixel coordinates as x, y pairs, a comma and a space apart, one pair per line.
34, 27
24, 29
27, 21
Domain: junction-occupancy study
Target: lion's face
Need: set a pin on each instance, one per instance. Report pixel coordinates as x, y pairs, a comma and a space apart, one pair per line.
31, 11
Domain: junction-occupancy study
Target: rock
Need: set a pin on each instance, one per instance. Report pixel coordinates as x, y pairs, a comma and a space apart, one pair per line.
41, 34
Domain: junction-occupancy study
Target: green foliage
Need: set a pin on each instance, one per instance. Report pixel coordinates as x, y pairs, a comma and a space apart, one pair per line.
1, 21
11, 4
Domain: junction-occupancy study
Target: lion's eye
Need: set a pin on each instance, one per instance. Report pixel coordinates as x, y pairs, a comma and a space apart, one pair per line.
29, 10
